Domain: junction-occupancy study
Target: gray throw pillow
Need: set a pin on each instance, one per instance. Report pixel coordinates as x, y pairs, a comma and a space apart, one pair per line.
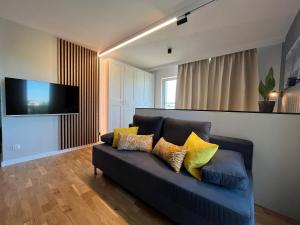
227, 169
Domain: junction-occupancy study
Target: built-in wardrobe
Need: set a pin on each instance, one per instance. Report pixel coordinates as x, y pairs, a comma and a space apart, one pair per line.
128, 88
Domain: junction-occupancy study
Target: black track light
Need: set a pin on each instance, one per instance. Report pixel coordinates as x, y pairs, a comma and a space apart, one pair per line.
182, 19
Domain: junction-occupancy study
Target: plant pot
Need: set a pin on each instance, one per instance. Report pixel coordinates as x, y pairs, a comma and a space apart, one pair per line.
266, 106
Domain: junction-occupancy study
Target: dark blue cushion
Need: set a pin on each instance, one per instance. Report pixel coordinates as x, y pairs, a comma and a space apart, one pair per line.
227, 169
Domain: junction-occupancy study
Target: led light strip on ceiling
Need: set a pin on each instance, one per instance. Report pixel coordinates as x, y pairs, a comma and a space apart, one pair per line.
168, 22
151, 30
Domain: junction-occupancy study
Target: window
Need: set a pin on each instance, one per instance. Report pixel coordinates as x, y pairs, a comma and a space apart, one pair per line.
169, 92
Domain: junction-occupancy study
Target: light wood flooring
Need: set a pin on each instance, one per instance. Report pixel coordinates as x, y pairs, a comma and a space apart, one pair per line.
62, 190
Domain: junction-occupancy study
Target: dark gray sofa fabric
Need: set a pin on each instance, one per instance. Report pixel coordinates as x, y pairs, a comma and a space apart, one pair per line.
182, 198
108, 138
226, 169
177, 131
242, 146
149, 125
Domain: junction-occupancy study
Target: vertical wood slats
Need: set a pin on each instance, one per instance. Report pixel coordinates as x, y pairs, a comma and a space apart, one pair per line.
79, 66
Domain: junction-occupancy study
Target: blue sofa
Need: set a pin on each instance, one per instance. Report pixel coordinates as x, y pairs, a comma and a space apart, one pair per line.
179, 196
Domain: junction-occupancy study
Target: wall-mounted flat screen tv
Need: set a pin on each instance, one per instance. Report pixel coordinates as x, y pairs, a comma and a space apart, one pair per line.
27, 97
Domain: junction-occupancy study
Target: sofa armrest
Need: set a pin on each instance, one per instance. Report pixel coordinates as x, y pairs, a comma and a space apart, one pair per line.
245, 147
108, 138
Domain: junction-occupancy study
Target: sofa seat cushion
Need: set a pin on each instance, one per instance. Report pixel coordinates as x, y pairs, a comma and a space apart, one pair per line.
150, 178
177, 131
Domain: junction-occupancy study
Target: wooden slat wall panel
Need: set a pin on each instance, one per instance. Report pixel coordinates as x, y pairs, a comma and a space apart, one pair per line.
79, 66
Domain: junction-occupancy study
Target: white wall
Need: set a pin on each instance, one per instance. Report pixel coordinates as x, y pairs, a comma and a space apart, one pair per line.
28, 54
267, 57
160, 74
276, 139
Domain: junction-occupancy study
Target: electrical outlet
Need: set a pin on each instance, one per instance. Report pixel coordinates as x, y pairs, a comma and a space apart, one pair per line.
16, 147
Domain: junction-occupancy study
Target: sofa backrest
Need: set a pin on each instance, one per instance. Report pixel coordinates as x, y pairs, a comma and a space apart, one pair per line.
177, 131
149, 125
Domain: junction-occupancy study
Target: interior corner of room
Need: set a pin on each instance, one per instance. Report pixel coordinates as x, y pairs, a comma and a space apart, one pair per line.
234, 64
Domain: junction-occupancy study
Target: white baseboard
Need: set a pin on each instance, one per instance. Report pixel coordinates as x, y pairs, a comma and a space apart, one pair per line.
41, 155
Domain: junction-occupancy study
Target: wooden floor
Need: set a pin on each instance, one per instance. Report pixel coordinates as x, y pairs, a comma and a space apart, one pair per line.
63, 190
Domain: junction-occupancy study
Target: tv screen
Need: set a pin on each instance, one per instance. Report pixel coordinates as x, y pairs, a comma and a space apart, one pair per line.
25, 97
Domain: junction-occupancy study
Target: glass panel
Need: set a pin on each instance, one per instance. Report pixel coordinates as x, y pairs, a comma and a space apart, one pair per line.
169, 93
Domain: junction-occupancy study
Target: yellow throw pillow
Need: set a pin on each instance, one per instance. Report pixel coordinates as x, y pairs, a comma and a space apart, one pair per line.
135, 142
172, 154
117, 131
199, 152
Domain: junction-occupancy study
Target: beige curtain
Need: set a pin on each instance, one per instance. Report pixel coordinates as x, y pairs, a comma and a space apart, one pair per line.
226, 82
291, 100
192, 85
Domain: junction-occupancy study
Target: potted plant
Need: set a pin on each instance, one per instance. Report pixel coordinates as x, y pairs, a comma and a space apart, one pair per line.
264, 90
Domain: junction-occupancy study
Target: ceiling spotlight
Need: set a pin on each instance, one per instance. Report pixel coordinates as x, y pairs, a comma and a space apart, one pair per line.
182, 19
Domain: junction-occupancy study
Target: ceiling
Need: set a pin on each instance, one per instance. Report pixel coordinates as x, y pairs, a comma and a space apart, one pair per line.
221, 27
97, 24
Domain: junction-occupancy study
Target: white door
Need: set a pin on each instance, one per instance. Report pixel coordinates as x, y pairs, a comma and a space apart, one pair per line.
128, 95
149, 90
139, 86
152, 90
129, 88
115, 116
115, 94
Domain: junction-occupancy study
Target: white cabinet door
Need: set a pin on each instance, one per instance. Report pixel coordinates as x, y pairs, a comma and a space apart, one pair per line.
115, 81
128, 112
128, 86
115, 94
115, 117
149, 90
139, 86
152, 90
128, 98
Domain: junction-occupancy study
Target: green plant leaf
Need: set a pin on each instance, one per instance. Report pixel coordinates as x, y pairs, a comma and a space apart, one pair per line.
263, 90
270, 81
